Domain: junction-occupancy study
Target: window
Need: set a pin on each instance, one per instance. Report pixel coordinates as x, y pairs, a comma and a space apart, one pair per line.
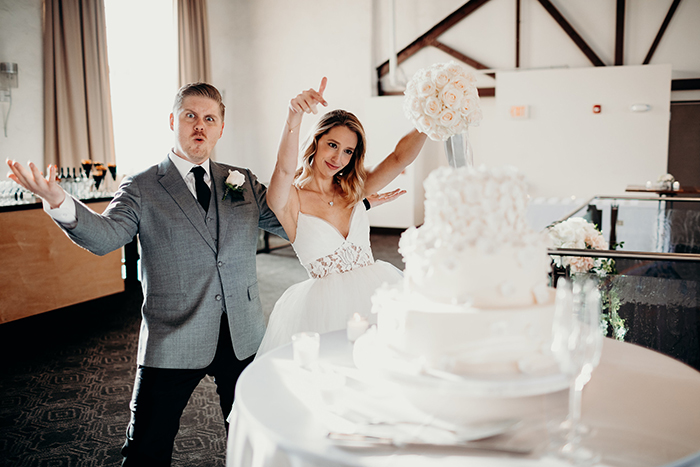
142, 50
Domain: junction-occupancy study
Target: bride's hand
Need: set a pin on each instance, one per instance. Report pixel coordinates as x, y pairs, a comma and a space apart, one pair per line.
307, 101
381, 198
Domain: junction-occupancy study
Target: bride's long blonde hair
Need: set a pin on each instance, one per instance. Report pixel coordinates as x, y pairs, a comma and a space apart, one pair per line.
352, 178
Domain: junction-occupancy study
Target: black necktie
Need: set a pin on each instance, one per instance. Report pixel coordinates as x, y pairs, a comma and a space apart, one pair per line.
203, 191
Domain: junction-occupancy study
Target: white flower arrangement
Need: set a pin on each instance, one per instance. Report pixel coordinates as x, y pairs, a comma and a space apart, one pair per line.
442, 101
666, 178
666, 181
578, 233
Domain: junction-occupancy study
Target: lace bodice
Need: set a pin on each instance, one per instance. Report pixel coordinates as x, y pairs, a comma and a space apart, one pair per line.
323, 250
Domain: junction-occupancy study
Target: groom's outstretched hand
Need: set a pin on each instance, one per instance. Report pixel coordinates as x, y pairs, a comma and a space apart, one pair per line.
308, 100
32, 179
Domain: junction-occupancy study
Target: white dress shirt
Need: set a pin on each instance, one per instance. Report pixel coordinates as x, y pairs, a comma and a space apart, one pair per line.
184, 167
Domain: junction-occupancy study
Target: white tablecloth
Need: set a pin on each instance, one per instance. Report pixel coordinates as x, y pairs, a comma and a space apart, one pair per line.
644, 409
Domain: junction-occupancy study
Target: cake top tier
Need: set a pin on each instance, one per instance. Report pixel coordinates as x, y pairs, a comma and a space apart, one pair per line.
476, 207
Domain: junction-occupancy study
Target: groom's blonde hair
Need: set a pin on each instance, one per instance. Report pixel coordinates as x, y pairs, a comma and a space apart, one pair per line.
352, 178
202, 90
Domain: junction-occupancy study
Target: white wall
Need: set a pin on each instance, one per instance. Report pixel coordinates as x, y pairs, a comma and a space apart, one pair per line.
385, 124
266, 52
20, 42
567, 150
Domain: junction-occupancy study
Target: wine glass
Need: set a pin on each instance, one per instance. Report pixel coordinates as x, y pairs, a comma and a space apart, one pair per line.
577, 345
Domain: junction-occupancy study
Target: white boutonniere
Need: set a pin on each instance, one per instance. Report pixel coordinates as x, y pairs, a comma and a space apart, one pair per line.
234, 185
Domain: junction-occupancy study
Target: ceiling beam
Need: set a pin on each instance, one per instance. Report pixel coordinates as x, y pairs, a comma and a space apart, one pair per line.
692, 84
460, 56
427, 39
619, 32
662, 30
578, 40
517, 33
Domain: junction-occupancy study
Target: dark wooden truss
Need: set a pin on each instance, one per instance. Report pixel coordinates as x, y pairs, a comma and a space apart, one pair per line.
430, 39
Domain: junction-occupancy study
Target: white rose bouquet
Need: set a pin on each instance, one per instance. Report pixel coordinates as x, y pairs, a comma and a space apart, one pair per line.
442, 101
234, 185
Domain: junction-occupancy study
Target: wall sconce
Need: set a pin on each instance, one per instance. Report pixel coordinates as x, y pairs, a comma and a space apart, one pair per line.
640, 107
9, 78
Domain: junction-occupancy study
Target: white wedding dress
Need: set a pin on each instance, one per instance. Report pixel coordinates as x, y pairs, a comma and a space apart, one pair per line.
342, 278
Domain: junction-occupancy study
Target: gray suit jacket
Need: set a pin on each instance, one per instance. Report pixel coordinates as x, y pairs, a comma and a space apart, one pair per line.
188, 277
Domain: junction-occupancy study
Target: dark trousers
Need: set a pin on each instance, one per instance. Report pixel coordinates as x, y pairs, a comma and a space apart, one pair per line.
160, 396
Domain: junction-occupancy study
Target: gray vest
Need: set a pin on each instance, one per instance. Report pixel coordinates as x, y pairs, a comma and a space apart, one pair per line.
211, 219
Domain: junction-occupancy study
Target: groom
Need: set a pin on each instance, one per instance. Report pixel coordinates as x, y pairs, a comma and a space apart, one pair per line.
201, 310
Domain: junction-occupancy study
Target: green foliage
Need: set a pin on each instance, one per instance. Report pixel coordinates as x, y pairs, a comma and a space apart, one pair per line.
609, 317
611, 323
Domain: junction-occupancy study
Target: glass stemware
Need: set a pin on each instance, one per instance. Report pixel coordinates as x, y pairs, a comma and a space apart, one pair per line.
110, 186
87, 166
113, 170
98, 176
577, 346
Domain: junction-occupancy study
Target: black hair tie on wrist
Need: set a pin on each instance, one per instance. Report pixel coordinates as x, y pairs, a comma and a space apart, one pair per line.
366, 203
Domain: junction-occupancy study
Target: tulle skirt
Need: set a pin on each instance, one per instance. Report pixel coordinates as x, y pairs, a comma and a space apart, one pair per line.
326, 304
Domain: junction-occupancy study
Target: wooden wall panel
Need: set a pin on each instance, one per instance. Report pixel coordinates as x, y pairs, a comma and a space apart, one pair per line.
42, 270
684, 142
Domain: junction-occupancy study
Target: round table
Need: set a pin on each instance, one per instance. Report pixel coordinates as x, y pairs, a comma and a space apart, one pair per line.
643, 407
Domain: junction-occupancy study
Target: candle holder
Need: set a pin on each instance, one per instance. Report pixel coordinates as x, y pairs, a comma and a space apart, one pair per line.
357, 325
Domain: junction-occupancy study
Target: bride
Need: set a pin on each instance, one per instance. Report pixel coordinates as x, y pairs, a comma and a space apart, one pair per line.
321, 208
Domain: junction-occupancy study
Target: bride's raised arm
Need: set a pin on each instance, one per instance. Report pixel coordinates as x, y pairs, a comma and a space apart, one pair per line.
279, 192
404, 154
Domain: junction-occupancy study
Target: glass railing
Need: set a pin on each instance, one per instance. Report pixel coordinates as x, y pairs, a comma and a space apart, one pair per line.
655, 288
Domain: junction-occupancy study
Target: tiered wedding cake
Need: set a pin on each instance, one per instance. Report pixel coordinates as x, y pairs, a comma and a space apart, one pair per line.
475, 298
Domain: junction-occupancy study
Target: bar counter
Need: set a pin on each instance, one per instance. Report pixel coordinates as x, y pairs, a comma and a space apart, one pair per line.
43, 270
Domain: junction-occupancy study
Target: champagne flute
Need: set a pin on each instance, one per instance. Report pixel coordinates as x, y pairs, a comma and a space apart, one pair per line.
577, 345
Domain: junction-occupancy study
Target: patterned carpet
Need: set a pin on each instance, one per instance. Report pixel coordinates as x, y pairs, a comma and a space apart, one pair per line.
66, 387
66, 379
